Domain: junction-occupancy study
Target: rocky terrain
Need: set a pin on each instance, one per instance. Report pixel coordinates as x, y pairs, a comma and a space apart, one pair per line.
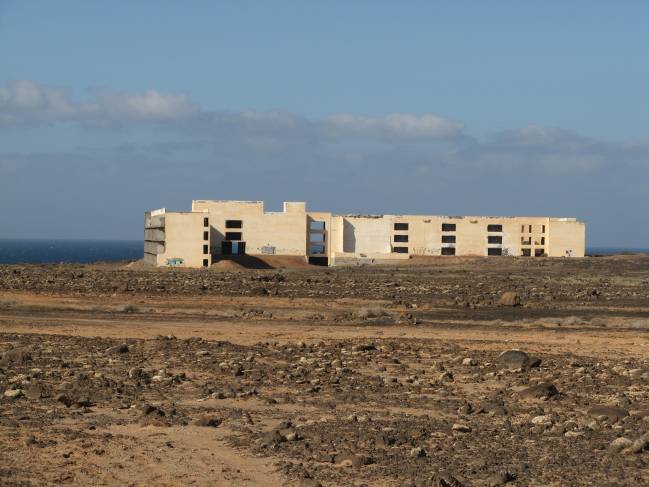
459, 374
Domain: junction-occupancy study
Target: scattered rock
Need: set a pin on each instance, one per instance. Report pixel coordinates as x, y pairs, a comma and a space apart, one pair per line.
418, 452
208, 421
545, 390
123, 348
612, 413
517, 359
14, 393
509, 298
461, 428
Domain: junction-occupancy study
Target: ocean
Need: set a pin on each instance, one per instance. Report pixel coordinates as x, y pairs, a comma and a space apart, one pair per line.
33, 251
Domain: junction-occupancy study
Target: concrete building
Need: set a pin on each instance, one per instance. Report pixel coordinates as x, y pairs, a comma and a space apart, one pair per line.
219, 228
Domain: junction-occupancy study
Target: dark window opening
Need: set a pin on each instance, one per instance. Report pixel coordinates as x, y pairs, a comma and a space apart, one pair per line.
448, 250
206, 235
319, 261
522, 228
206, 249
233, 223
542, 228
542, 240
316, 249
494, 228
448, 238
400, 250
526, 252
401, 238
317, 237
493, 239
495, 251
206, 222
401, 226
530, 229
205, 263
539, 252
233, 235
233, 248
318, 226
448, 227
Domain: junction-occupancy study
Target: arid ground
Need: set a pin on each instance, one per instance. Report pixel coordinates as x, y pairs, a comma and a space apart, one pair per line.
458, 372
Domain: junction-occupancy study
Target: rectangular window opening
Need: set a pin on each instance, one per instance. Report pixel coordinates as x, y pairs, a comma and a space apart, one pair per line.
206, 222
205, 262
233, 223
542, 240
448, 227
495, 251
318, 226
494, 239
448, 250
206, 235
494, 228
206, 249
539, 252
233, 235
448, 238
526, 241
401, 238
400, 250
401, 226
526, 252
542, 228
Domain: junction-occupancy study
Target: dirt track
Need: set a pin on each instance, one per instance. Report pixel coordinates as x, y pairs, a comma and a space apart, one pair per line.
366, 376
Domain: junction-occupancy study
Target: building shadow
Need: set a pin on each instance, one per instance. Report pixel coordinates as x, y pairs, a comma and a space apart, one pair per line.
245, 260
349, 236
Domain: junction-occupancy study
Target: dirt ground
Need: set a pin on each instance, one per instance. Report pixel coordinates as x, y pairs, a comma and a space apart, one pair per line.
459, 372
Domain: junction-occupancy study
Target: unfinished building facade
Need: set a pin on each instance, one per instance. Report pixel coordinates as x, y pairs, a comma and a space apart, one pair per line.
222, 228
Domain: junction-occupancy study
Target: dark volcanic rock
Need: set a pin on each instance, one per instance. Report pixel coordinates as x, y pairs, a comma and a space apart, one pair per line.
517, 359
545, 390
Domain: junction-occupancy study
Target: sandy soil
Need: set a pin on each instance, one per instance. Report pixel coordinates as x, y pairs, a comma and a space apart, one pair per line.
367, 376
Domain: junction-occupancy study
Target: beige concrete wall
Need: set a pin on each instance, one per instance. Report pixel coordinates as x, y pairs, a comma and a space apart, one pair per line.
184, 239
170, 235
374, 236
366, 235
567, 238
176, 235
285, 231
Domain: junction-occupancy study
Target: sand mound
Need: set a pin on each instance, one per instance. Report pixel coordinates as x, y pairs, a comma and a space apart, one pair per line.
227, 265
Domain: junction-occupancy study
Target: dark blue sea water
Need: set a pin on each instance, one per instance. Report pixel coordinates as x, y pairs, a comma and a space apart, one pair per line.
13, 251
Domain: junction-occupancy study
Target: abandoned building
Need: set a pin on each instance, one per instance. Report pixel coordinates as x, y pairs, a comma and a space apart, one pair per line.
220, 228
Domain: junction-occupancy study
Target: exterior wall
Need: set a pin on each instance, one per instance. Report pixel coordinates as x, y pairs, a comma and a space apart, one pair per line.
372, 236
176, 239
567, 238
366, 235
285, 232
296, 232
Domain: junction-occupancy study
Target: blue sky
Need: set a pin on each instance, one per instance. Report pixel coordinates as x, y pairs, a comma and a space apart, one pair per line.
108, 109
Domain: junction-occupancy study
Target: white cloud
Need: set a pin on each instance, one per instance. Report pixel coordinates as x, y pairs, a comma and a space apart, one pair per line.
403, 125
24, 102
